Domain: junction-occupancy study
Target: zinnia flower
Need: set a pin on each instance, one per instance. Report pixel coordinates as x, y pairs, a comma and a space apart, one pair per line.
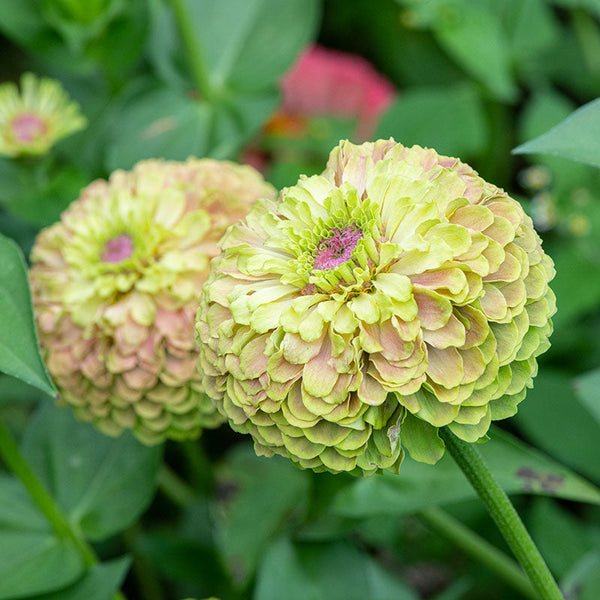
33, 121
115, 287
394, 294
326, 82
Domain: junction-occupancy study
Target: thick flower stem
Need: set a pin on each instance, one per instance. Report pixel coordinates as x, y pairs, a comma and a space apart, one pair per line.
480, 549
194, 50
504, 514
17, 464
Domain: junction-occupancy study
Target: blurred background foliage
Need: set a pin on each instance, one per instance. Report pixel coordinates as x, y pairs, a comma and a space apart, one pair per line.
470, 78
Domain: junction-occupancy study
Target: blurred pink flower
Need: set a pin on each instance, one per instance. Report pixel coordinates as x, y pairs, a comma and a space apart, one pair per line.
326, 82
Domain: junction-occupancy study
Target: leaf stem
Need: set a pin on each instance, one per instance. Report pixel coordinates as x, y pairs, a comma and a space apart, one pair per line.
480, 549
17, 464
504, 514
194, 50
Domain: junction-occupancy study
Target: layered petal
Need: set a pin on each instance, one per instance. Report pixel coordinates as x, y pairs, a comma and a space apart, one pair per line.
115, 287
394, 294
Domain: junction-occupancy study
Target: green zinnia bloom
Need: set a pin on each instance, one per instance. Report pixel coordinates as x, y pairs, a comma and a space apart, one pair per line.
32, 121
115, 287
394, 294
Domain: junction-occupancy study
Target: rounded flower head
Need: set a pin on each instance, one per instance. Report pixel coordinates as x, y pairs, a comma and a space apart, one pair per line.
326, 82
115, 287
33, 121
395, 294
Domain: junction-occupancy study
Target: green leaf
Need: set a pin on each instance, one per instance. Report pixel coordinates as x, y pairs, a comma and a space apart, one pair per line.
518, 468
170, 124
335, 571
19, 348
574, 265
100, 582
236, 39
42, 205
583, 580
561, 538
527, 41
587, 389
472, 34
20, 20
33, 559
449, 119
576, 138
474, 37
260, 497
100, 483
556, 422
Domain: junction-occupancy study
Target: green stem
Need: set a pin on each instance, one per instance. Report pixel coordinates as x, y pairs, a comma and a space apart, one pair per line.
504, 514
480, 549
17, 464
194, 50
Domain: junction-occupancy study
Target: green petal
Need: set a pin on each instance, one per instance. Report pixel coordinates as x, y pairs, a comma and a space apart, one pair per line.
421, 440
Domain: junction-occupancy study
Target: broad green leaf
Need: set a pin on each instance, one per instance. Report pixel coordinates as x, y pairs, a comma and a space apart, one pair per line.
561, 538
576, 138
457, 590
235, 41
239, 37
101, 484
475, 39
162, 123
335, 571
472, 34
587, 388
33, 559
100, 582
449, 119
43, 205
261, 496
553, 418
544, 110
518, 468
583, 580
527, 41
20, 20
179, 558
574, 266
173, 125
15, 391
19, 348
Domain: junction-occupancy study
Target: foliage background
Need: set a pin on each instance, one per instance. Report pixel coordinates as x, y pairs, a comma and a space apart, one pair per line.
475, 79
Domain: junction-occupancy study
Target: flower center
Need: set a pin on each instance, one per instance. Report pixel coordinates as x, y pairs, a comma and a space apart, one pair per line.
336, 249
117, 249
28, 127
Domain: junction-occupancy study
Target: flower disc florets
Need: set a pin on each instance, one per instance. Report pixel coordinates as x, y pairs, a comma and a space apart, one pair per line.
395, 294
34, 120
115, 287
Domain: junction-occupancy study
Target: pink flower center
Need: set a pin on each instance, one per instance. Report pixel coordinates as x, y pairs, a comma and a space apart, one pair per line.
28, 127
336, 249
117, 249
